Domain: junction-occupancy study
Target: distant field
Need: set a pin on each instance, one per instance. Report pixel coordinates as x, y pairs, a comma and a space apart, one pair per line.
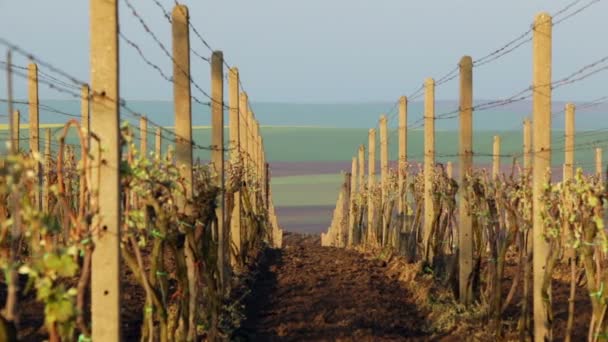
306, 161
314, 144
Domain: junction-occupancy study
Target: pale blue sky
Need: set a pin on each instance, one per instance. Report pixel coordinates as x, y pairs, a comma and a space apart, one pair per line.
323, 50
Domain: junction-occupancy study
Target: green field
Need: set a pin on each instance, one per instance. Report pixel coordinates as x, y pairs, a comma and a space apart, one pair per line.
316, 144
302, 144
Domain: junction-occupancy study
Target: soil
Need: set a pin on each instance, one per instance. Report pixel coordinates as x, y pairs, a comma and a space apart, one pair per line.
308, 292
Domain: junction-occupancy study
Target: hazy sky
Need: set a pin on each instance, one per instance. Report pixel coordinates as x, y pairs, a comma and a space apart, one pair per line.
322, 50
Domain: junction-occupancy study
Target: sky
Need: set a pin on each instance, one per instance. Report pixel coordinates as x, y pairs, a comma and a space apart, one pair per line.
321, 51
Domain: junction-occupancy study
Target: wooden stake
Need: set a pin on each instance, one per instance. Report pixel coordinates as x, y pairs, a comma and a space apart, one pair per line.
569, 136
217, 158
34, 119
351, 203
449, 170
496, 158
143, 138
34, 115
9, 90
243, 129
429, 164
402, 174
47, 171
465, 230
384, 173
106, 273
361, 168
542, 162
372, 237
235, 145
182, 99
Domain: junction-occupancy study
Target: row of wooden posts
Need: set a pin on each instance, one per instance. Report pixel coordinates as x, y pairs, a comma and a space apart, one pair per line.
100, 115
536, 157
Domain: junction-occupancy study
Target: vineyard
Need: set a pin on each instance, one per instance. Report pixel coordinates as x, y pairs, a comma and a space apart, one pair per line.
104, 234
115, 226
516, 252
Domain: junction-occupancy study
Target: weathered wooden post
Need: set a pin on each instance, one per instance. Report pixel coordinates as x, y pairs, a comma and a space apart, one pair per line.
361, 168
34, 120
449, 170
429, 164
9, 90
217, 157
527, 145
46, 180
496, 158
351, 202
243, 130
34, 116
342, 233
15, 130
235, 145
158, 144
465, 231
251, 145
541, 89
372, 237
181, 99
143, 137
183, 144
402, 171
384, 175
106, 274
569, 137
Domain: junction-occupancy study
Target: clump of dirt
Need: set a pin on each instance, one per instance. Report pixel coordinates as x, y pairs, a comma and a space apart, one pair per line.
309, 292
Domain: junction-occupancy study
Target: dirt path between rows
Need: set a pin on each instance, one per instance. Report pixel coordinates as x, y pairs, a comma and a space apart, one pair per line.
307, 292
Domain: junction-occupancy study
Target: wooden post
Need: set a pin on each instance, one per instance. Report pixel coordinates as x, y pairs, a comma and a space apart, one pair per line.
429, 164
402, 174
235, 145
542, 162
183, 145
34, 116
598, 162
251, 145
181, 99
342, 234
449, 170
9, 90
243, 130
527, 145
465, 231
34, 120
351, 202
361, 168
158, 144
47, 171
372, 237
143, 137
106, 273
569, 142
496, 157
15, 130
217, 157
384, 173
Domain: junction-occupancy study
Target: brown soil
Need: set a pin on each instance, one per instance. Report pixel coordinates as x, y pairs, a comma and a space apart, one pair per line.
309, 292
